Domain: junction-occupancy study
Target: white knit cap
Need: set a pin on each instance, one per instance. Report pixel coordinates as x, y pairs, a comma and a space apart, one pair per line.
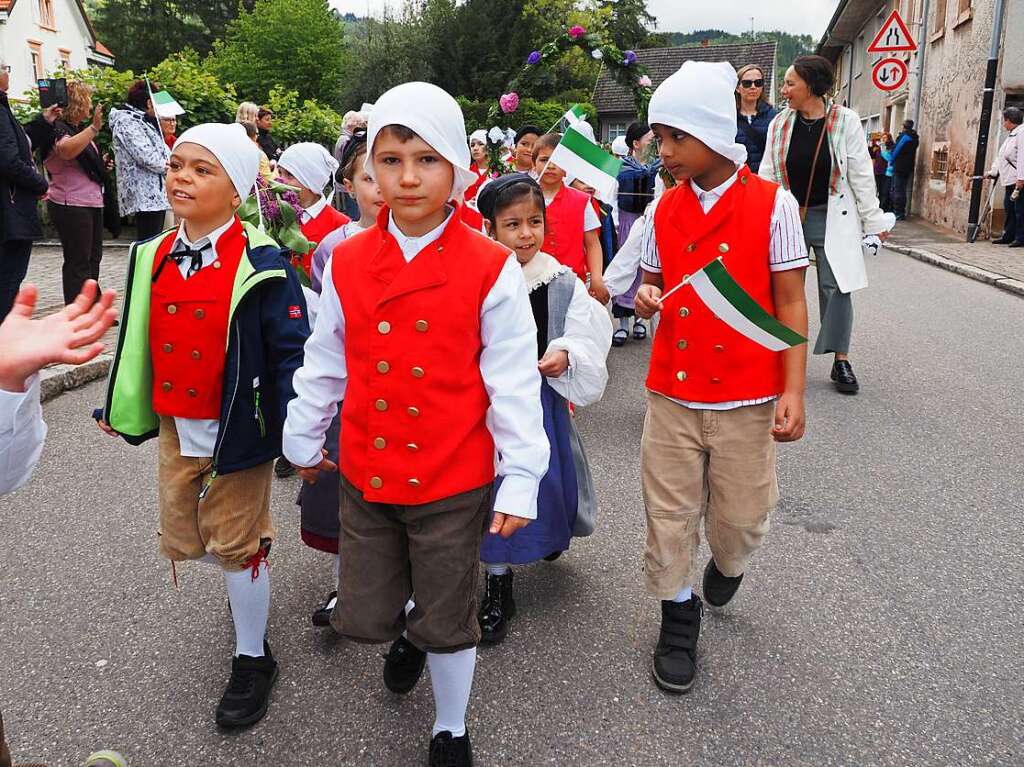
311, 164
478, 135
434, 116
698, 99
232, 147
619, 147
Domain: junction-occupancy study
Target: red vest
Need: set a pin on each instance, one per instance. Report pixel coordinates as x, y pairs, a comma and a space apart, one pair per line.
563, 236
413, 420
316, 229
697, 356
188, 329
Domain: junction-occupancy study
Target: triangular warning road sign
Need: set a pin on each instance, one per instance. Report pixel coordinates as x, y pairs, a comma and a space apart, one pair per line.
893, 36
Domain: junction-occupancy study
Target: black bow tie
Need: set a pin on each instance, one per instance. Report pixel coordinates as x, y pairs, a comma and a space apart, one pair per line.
196, 255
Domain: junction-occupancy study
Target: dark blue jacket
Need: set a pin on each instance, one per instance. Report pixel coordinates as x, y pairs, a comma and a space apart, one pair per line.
266, 335
754, 134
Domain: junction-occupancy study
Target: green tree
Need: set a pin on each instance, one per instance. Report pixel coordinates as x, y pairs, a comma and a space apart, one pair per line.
297, 44
309, 120
630, 24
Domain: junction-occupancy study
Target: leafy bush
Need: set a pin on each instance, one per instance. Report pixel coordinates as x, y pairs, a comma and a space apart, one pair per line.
201, 94
310, 121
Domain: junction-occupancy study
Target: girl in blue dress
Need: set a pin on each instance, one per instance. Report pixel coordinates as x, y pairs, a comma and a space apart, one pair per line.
573, 339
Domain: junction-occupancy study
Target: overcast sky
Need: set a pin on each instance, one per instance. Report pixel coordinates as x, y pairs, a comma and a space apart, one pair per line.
798, 16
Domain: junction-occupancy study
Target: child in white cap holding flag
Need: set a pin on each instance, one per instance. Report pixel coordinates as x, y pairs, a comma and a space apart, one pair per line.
425, 332
212, 329
717, 400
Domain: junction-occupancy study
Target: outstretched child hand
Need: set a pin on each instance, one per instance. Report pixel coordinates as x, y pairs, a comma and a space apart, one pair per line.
312, 473
506, 524
648, 301
789, 418
554, 363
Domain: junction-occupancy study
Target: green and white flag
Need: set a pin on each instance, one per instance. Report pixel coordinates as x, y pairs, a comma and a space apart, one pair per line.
575, 115
581, 158
165, 106
734, 306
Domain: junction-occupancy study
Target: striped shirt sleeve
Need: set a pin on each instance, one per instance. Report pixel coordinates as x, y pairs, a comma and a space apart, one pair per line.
787, 249
649, 259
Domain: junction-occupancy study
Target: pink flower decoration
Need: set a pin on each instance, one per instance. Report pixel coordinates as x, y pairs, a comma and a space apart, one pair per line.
644, 82
576, 32
509, 102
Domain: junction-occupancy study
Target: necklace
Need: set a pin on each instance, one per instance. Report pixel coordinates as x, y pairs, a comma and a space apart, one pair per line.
809, 124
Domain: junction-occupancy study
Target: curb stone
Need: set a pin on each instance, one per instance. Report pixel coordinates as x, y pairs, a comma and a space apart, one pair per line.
1001, 281
56, 380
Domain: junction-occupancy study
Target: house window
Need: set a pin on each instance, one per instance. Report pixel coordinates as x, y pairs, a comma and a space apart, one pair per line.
963, 12
939, 20
35, 51
615, 130
65, 59
46, 16
940, 161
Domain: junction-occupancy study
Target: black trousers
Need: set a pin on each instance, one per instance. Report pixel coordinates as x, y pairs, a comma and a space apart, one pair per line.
14, 255
149, 223
1013, 228
81, 238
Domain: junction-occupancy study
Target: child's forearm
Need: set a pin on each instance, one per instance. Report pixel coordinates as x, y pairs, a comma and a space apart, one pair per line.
653, 278
791, 311
595, 260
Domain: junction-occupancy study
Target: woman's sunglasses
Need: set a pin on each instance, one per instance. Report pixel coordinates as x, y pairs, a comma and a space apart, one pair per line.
752, 83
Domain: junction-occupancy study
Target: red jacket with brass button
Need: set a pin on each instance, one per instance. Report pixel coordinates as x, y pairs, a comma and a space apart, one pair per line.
413, 426
696, 356
314, 230
563, 238
188, 329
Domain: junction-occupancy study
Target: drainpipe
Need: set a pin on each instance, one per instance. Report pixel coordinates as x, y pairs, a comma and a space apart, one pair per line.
988, 95
922, 46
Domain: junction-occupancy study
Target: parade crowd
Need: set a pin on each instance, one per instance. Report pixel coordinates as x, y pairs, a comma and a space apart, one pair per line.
420, 364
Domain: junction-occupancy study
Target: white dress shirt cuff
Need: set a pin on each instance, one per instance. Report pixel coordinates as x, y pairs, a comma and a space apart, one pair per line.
517, 496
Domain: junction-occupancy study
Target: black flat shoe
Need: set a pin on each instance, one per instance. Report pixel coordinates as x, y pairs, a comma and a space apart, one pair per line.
675, 658
843, 377
403, 666
619, 337
1017, 244
322, 617
449, 751
1001, 241
719, 589
552, 556
639, 330
497, 609
247, 696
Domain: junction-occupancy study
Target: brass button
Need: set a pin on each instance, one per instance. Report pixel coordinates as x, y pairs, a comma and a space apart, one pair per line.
723, 248
422, 326
743, 180
681, 375
167, 386
682, 345
168, 348
719, 348
172, 309
383, 328
716, 380
383, 367
414, 412
691, 247
413, 446
379, 443
684, 312
414, 482
417, 372
193, 393
199, 314
381, 405
376, 483
195, 354
216, 264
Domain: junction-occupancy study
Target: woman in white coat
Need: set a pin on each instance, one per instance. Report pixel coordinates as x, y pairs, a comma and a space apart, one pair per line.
818, 151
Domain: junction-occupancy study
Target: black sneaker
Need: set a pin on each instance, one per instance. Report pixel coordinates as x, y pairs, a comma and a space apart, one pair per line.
247, 696
283, 469
675, 657
403, 666
497, 609
718, 588
449, 751
322, 617
843, 377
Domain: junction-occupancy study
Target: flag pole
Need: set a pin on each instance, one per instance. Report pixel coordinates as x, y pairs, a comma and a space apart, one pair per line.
686, 280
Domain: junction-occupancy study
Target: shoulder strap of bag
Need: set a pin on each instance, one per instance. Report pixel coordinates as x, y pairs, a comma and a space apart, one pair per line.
814, 167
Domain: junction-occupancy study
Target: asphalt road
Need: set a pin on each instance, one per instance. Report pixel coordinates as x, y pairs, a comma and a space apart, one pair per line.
881, 624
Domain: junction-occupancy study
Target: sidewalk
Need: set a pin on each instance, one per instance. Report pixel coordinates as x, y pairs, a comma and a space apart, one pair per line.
996, 265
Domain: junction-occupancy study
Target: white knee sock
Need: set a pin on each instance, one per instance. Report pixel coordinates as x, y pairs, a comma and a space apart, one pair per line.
498, 569
624, 323
684, 594
250, 605
451, 676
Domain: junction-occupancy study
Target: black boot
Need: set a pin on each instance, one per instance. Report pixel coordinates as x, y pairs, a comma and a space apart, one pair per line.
449, 751
719, 588
247, 696
675, 657
845, 380
403, 666
497, 609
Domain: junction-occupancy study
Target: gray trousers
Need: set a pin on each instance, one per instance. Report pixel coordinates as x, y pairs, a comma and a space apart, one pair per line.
834, 307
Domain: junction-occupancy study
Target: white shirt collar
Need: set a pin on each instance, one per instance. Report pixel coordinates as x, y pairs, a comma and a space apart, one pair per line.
412, 245
314, 210
204, 242
709, 197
